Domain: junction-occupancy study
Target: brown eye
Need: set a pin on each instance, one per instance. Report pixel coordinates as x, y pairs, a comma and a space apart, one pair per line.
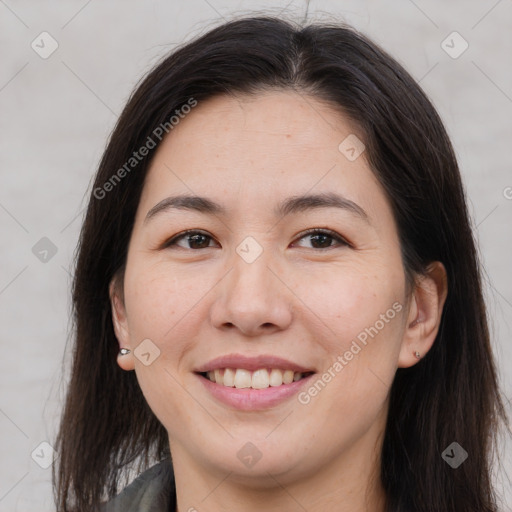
193, 238
323, 238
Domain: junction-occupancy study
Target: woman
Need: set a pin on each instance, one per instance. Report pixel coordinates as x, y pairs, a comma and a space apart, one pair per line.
277, 293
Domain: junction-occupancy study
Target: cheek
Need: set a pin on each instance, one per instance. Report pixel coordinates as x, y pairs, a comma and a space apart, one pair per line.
362, 312
360, 332
158, 297
160, 307
354, 301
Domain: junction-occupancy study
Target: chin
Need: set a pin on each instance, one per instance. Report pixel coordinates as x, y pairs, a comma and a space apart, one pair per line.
255, 463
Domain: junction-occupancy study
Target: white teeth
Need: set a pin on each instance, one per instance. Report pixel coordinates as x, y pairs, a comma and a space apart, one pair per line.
229, 377
259, 379
276, 377
243, 379
288, 377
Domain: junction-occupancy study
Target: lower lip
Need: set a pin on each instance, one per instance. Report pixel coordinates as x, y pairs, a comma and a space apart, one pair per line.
248, 399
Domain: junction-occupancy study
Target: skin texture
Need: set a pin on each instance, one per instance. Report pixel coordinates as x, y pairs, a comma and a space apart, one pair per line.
296, 300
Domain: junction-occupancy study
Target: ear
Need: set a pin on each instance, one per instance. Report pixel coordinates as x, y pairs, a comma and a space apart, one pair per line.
424, 317
120, 322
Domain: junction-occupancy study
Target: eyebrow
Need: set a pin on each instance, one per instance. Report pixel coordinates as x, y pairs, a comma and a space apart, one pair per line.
294, 204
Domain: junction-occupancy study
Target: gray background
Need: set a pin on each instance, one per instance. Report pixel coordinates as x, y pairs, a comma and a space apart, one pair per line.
57, 113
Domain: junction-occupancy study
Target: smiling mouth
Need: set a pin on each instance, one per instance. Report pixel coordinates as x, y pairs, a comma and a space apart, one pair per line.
259, 379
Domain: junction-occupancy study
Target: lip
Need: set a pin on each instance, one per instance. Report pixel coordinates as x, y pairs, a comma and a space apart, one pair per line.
248, 399
239, 361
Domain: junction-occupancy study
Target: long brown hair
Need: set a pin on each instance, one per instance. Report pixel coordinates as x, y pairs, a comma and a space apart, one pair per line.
450, 395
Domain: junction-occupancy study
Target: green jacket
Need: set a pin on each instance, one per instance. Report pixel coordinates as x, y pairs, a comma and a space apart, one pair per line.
152, 491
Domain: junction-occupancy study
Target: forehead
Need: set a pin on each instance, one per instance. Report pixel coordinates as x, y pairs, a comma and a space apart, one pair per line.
259, 149
283, 120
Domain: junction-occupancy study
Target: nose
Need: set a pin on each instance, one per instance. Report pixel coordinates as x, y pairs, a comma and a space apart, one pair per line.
252, 299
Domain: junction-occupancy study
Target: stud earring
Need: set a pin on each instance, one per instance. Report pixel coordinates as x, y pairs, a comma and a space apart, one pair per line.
417, 354
124, 351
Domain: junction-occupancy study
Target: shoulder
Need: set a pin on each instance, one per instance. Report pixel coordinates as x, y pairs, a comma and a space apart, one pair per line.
152, 491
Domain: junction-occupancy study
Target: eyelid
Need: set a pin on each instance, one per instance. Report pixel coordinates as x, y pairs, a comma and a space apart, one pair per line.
172, 241
333, 234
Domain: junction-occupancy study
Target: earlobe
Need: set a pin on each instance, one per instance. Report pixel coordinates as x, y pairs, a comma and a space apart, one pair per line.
119, 321
425, 313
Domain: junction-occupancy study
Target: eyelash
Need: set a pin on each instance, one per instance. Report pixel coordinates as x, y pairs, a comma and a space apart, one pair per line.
314, 231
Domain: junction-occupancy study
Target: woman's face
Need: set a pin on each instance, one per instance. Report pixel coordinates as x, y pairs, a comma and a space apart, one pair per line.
254, 291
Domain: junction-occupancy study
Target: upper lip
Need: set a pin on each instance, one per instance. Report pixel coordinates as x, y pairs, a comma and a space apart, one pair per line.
251, 363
